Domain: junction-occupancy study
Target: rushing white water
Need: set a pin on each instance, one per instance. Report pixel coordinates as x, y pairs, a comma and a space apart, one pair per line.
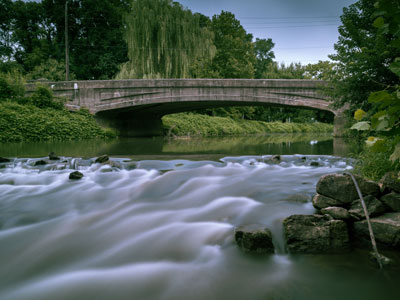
159, 230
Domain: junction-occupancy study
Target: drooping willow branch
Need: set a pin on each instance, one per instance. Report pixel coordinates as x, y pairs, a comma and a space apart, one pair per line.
164, 40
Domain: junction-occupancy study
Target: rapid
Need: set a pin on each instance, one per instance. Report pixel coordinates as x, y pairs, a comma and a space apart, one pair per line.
163, 229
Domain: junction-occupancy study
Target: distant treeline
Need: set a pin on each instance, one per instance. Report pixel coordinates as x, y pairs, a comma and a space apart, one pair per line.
142, 39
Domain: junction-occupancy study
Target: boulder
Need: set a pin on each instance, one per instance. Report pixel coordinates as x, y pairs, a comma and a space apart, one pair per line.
338, 213
374, 207
392, 201
4, 160
315, 234
102, 159
40, 163
314, 164
53, 156
320, 201
390, 182
254, 238
341, 187
75, 175
386, 230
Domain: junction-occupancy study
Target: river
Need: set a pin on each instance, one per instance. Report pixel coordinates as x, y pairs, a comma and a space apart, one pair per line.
158, 222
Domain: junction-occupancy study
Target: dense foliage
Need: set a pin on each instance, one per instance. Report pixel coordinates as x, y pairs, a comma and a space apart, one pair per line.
379, 69
202, 125
32, 38
29, 123
164, 40
363, 54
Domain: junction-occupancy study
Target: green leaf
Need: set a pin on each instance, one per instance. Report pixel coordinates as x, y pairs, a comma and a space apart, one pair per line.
361, 126
379, 97
379, 22
396, 153
382, 125
395, 67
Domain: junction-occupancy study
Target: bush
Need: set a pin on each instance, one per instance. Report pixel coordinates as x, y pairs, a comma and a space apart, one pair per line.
42, 97
29, 123
12, 86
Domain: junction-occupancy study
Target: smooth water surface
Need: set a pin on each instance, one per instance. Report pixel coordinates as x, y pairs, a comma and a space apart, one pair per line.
195, 148
163, 229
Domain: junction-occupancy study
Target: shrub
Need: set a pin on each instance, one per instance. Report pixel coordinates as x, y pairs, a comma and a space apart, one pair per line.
12, 86
29, 123
42, 97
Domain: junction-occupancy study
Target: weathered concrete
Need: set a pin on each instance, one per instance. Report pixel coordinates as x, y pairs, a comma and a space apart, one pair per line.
135, 107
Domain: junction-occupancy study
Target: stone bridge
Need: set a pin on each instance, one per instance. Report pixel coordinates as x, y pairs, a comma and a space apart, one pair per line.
135, 107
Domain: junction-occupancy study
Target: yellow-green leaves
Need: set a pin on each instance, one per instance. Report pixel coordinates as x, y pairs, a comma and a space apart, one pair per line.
359, 114
379, 22
376, 144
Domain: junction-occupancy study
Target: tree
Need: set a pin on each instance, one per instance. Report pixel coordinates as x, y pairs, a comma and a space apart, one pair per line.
95, 31
323, 70
282, 71
164, 40
235, 51
362, 57
264, 56
5, 30
33, 33
384, 121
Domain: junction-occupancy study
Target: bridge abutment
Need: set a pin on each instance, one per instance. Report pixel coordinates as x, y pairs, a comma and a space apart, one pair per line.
339, 124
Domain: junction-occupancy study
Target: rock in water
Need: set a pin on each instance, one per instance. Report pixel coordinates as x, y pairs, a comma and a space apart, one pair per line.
386, 230
392, 201
4, 160
315, 234
374, 207
75, 175
341, 187
102, 159
390, 182
40, 163
254, 238
338, 213
53, 156
320, 201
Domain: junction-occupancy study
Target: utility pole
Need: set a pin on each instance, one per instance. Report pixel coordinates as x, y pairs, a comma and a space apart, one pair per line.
66, 43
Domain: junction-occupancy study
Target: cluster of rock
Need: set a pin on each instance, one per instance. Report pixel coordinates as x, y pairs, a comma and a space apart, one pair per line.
337, 198
339, 223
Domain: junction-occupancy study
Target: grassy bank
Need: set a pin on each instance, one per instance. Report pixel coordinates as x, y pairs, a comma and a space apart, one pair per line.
30, 123
203, 125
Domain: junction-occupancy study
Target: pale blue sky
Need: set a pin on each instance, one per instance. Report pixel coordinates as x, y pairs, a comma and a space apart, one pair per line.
302, 30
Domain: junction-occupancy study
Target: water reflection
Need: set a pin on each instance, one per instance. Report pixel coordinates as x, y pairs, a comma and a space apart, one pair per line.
158, 146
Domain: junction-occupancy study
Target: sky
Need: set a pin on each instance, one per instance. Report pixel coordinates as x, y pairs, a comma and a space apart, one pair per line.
302, 30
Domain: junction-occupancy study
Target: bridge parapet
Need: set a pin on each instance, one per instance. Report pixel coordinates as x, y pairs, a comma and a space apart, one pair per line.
116, 94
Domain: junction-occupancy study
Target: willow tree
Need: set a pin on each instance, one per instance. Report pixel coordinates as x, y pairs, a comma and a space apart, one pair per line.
164, 41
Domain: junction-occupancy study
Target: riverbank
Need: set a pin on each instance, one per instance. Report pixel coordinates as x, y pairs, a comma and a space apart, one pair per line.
25, 123
188, 124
